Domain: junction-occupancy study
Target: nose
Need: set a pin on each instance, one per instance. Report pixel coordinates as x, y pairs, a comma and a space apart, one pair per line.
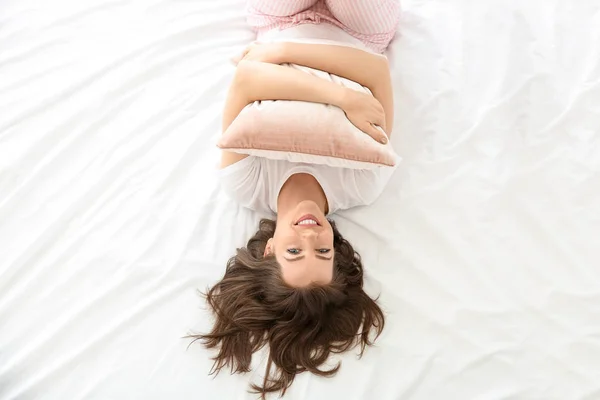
309, 233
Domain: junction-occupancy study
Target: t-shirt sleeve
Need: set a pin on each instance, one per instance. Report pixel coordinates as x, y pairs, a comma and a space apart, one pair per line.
243, 182
371, 183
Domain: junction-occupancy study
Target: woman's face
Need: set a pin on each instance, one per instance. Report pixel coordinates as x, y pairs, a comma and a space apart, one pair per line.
303, 245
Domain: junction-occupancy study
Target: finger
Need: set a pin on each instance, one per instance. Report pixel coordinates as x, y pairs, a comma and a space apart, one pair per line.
383, 139
379, 120
239, 57
372, 131
252, 46
379, 135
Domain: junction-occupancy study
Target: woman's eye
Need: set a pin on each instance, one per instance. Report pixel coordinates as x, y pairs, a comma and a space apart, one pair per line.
293, 251
323, 251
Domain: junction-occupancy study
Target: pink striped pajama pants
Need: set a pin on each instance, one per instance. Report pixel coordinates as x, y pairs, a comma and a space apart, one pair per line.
374, 22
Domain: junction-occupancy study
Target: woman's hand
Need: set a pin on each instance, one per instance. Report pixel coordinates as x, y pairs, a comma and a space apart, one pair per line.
271, 53
365, 111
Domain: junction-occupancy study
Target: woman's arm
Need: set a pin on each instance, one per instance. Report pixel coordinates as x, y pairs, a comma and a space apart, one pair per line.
262, 81
368, 69
357, 65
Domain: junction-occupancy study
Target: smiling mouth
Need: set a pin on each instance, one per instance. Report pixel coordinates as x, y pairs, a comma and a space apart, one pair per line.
308, 220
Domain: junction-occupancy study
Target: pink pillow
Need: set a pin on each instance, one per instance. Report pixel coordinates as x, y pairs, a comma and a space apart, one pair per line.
307, 132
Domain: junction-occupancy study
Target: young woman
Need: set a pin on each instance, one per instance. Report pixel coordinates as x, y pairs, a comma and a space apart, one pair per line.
297, 285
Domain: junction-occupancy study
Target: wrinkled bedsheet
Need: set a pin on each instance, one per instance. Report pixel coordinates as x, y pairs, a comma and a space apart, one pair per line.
484, 249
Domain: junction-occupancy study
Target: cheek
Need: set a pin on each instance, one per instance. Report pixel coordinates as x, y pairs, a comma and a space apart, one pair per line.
330, 234
282, 238
277, 236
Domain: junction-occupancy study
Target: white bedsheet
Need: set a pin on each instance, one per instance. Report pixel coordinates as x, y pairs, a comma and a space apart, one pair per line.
485, 247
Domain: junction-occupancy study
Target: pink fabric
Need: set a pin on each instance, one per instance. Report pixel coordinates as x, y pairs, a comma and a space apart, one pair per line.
374, 22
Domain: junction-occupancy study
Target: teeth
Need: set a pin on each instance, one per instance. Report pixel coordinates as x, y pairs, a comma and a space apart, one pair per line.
308, 222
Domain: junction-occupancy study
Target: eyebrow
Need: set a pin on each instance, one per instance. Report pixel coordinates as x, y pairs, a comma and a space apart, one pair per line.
301, 257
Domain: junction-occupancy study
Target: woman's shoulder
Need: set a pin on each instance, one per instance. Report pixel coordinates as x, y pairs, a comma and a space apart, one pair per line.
241, 182
254, 182
237, 167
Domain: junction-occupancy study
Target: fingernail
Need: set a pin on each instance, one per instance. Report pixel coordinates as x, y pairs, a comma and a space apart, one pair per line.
384, 140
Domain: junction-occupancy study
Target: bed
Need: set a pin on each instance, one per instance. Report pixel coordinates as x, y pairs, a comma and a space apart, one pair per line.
484, 249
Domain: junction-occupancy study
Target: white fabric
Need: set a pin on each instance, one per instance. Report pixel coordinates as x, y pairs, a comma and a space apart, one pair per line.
484, 246
311, 159
313, 33
255, 182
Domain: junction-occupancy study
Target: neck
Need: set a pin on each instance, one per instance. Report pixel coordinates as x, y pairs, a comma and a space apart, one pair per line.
298, 188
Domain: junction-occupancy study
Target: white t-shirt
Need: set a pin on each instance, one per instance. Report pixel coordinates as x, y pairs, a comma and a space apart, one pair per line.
255, 182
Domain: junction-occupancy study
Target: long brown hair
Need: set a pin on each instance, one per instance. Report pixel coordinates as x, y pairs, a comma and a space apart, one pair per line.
253, 306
